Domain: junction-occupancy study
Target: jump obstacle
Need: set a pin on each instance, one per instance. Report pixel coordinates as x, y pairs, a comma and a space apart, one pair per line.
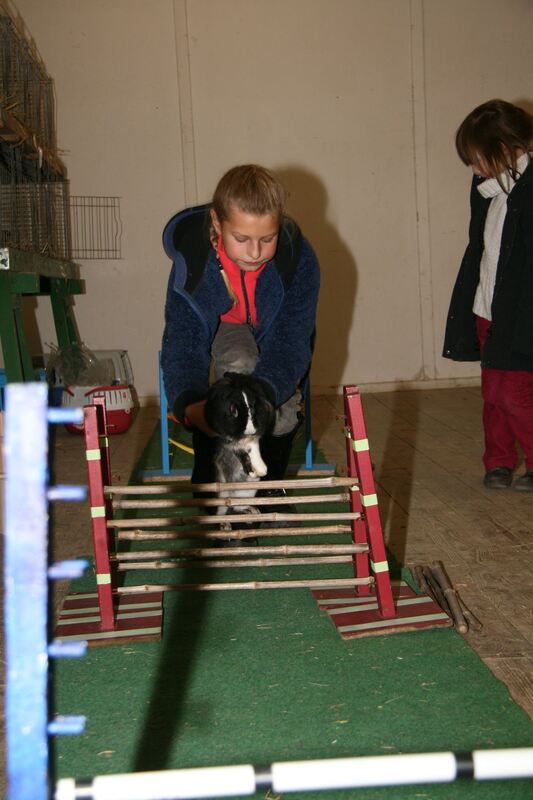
28, 728
364, 602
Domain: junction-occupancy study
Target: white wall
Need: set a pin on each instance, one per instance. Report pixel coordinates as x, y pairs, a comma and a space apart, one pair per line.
353, 102
474, 51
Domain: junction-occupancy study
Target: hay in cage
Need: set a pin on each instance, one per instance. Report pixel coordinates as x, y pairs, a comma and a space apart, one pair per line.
26, 89
36, 217
37, 213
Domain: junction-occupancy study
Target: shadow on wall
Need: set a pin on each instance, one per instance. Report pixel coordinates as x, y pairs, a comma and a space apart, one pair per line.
307, 203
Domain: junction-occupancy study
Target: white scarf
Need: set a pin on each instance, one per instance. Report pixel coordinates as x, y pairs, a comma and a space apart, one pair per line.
492, 235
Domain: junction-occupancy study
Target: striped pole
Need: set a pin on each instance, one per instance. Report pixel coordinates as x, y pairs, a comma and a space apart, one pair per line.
96, 469
369, 500
358, 524
301, 776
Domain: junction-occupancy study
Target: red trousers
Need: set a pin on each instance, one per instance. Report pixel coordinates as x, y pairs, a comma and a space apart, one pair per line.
507, 411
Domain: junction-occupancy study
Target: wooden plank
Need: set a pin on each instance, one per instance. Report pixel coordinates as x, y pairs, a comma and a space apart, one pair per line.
139, 619
360, 616
14, 260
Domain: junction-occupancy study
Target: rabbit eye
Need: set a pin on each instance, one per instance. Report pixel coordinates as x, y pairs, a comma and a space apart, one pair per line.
233, 410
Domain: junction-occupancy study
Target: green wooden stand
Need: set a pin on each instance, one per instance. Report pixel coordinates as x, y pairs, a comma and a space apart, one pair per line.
22, 274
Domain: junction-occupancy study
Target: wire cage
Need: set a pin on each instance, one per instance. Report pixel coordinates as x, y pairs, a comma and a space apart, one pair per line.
36, 217
26, 89
33, 189
37, 212
95, 227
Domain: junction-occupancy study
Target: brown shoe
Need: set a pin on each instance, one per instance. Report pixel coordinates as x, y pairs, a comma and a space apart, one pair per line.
498, 478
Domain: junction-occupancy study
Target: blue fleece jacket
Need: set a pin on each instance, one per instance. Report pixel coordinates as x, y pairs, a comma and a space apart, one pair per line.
286, 298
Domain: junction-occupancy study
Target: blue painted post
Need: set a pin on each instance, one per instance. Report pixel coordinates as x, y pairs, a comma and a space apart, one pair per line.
163, 412
26, 592
307, 425
163, 434
26, 576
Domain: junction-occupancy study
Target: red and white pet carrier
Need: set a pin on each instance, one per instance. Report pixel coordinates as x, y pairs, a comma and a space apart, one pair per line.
118, 404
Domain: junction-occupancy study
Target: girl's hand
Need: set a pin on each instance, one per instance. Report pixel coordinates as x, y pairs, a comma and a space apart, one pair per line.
196, 417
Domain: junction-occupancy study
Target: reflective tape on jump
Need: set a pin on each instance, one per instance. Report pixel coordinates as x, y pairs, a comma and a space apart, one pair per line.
298, 776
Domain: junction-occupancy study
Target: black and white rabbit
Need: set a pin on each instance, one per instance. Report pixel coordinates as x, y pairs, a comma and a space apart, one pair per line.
239, 412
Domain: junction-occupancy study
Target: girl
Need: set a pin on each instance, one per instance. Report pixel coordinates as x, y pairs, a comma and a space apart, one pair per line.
242, 297
491, 310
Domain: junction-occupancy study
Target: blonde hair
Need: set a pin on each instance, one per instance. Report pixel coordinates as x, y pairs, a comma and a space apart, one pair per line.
252, 189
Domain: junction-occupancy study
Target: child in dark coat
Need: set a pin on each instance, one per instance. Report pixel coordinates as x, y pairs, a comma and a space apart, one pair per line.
491, 310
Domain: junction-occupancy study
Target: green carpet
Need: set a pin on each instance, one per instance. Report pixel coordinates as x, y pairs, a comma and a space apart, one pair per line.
257, 677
